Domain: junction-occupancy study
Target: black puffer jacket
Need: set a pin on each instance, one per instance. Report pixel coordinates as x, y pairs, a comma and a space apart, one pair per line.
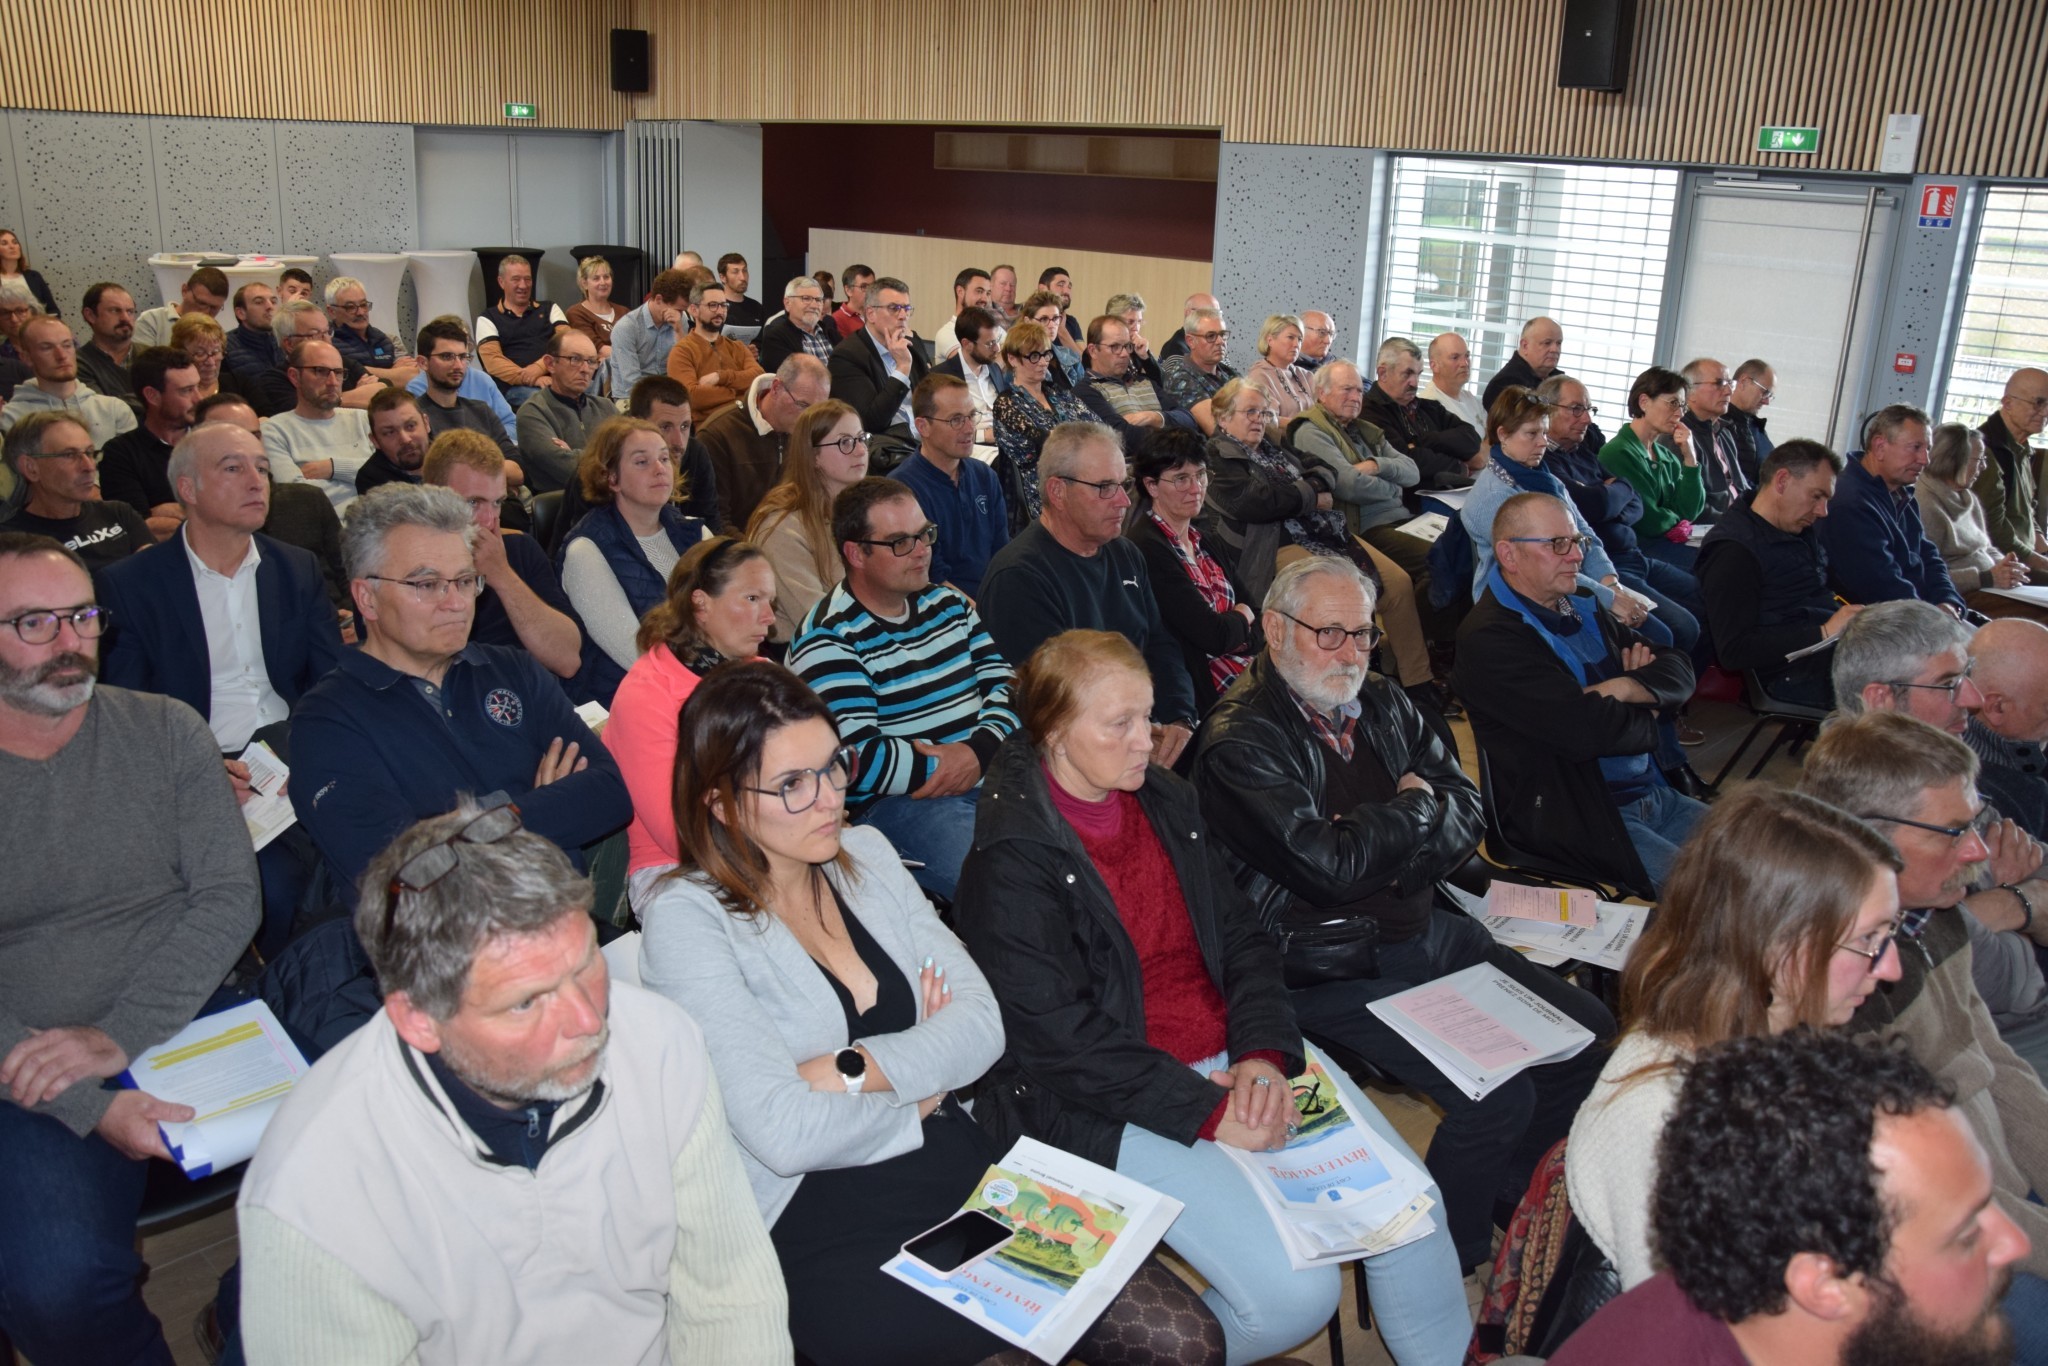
1259, 772
1076, 1067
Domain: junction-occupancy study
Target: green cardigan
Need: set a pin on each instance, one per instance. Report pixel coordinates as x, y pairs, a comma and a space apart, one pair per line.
1670, 489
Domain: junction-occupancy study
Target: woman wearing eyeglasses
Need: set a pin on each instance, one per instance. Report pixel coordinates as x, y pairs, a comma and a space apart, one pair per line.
616, 560
827, 452
1780, 912
840, 1014
1275, 374
1194, 577
1146, 1018
1036, 402
1653, 455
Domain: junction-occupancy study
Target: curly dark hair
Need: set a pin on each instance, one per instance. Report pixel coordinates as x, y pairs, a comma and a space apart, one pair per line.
1767, 1154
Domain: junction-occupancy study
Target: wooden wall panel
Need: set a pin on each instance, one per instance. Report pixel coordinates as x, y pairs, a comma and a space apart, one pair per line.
359, 61
928, 265
1475, 76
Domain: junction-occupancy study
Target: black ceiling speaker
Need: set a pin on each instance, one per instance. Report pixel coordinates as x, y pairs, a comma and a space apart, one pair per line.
629, 61
1593, 53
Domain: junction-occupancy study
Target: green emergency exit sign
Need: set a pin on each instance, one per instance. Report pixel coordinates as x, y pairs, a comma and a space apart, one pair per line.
1769, 139
518, 111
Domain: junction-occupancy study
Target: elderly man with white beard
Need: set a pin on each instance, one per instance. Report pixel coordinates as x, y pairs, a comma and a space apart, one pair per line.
1339, 811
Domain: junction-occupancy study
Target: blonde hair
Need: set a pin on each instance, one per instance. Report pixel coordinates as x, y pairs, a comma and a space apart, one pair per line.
472, 450
195, 327
1047, 693
801, 492
1277, 324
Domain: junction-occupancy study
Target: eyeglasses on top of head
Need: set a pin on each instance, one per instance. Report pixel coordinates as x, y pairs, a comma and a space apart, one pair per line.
497, 820
800, 790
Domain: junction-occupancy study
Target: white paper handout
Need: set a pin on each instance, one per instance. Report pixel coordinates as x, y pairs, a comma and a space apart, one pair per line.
1698, 533
1606, 944
268, 812
1081, 1230
1338, 1191
235, 1069
1454, 499
2034, 593
1428, 527
1623, 591
1551, 905
1480, 1027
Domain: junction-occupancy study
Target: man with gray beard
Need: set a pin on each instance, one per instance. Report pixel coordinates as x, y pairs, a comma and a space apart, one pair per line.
1339, 811
120, 920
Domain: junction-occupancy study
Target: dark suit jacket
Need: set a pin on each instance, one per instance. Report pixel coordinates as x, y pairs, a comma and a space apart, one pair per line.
158, 640
860, 377
780, 340
951, 366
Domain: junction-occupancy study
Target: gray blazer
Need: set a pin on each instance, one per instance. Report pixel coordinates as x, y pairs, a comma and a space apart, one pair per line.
765, 1006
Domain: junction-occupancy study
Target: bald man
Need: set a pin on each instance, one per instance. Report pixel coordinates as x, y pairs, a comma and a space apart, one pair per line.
2008, 488
1536, 356
1177, 344
1450, 374
1318, 334
2010, 667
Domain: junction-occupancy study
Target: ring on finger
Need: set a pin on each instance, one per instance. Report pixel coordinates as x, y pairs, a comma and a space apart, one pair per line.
1262, 1081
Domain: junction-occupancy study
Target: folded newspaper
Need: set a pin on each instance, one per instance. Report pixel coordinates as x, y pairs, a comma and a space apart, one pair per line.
235, 1068
1082, 1232
1606, 944
1338, 1191
1480, 1027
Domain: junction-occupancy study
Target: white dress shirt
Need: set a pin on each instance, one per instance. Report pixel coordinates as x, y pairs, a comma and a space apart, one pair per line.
243, 700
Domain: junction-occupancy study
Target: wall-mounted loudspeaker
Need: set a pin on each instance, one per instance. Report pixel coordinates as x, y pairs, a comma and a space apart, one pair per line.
629, 61
1593, 53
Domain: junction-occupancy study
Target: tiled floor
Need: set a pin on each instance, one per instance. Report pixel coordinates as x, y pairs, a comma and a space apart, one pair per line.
186, 1264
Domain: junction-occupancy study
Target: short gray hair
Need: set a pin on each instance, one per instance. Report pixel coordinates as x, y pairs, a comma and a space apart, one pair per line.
512, 259
1323, 376
184, 461
1695, 370
1193, 319
1394, 348
1550, 393
1889, 641
1120, 304
521, 884
1882, 763
1289, 589
371, 519
19, 291
789, 291
1061, 454
288, 314
1954, 446
338, 284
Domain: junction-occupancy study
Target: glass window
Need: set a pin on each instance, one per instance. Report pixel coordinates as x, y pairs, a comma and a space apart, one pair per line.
2005, 307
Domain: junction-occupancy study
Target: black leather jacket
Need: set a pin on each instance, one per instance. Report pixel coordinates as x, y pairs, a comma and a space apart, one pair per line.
1259, 773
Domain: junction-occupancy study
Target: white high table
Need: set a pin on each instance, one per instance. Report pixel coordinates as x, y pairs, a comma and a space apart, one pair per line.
441, 281
383, 275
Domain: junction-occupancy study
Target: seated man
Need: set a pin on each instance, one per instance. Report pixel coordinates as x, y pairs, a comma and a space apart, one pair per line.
962, 495
457, 393
1450, 371
1880, 1245
378, 1209
1714, 443
1564, 700
912, 678
801, 326
134, 466
1177, 344
109, 951
204, 292
746, 441
420, 715
1318, 332
643, 338
1073, 570
1368, 476
876, 368
715, 368
1336, 803
251, 349
293, 285
972, 288
1446, 452
733, 278
398, 441
318, 440
1906, 778
851, 316
2009, 665
555, 423
300, 514
348, 316
232, 623
1125, 394
109, 314
1756, 385
976, 362
1877, 551
2006, 489
274, 392
665, 403
521, 603
1189, 380
1537, 352
1764, 576
53, 359
512, 336
51, 453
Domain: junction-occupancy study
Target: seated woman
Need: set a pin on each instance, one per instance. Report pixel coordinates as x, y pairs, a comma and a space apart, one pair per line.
205, 345
615, 561
1034, 404
1652, 454
840, 1014
720, 607
1953, 517
1145, 1014
1285, 387
596, 314
1781, 911
1269, 509
827, 452
1200, 597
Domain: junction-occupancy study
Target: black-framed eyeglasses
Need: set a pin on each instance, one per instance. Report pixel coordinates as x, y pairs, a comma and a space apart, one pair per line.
440, 858
40, 628
1952, 687
847, 444
1105, 488
903, 545
1906, 925
1209, 336
1114, 346
957, 422
800, 790
1332, 638
73, 453
1978, 824
1560, 546
1035, 355
434, 590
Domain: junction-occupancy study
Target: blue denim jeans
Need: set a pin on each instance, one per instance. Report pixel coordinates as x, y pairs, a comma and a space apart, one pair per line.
1657, 825
69, 1272
934, 831
516, 394
1267, 1307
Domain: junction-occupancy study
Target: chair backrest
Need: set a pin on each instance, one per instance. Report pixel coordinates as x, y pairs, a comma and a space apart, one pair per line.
1763, 704
547, 511
1503, 851
1548, 1277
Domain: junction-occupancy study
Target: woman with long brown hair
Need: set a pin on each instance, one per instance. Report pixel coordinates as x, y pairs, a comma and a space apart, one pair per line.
1780, 911
827, 452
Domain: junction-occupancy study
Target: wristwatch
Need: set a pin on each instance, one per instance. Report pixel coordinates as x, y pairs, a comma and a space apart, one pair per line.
853, 1068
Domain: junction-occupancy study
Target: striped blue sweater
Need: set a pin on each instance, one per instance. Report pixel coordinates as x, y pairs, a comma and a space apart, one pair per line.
935, 676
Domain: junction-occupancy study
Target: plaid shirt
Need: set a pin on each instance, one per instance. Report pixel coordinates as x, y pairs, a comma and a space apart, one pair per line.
1341, 737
